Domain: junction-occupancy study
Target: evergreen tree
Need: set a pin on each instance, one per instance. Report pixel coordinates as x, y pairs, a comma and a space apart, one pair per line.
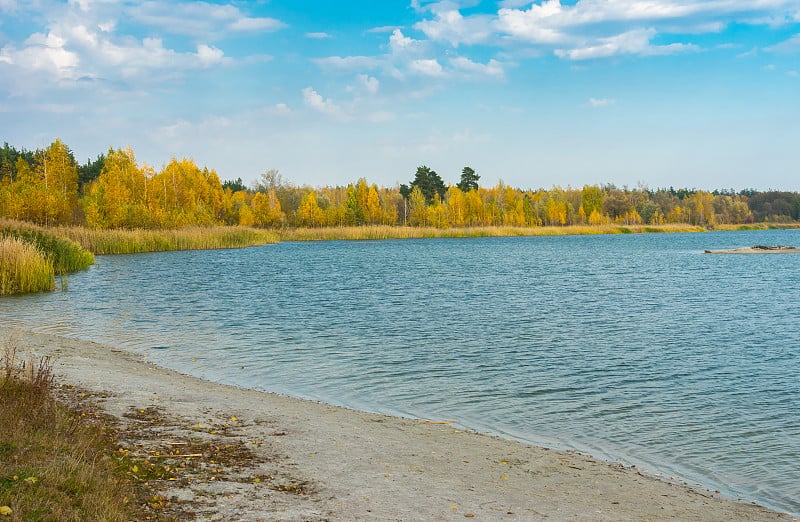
469, 180
429, 183
91, 170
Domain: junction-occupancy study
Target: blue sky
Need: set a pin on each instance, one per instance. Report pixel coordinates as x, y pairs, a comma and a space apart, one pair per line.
684, 93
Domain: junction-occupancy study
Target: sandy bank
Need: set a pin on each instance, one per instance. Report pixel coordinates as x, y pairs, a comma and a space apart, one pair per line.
758, 249
317, 462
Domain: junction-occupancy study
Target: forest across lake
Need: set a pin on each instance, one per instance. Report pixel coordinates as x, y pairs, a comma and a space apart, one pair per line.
49, 187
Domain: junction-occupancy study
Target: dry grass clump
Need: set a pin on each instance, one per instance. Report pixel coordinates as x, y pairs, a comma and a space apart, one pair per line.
192, 238
53, 465
23, 268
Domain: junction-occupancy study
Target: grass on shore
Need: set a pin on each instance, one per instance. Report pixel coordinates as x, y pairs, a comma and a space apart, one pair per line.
27, 249
759, 226
140, 241
53, 464
64, 254
396, 232
23, 268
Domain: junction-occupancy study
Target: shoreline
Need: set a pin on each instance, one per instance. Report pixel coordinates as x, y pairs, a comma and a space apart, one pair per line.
354, 465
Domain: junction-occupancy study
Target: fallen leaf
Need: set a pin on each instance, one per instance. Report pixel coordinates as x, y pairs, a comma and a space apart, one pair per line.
31, 480
5, 511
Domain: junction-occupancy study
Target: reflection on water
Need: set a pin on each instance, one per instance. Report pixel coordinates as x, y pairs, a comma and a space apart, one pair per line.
636, 348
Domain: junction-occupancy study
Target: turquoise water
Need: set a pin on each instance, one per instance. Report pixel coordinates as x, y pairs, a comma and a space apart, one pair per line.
634, 348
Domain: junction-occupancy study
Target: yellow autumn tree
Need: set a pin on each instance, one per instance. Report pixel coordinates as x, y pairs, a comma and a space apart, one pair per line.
309, 214
118, 197
456, 204
267, 209
57, 168
417, 208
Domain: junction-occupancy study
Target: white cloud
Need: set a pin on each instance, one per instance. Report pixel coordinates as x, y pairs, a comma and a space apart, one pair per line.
635, 42
399, 43
318, 35
789, 46
539, 24
383, 29
43, 53
348, 63
317, 102
493, 68
209, 55
601, 102
427, 67
72, 52
369, 83
199, 19
451, 26
381, 116
107, 27
256, 24
617, 26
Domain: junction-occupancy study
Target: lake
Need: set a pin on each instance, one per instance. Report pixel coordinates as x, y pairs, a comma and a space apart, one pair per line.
635, 348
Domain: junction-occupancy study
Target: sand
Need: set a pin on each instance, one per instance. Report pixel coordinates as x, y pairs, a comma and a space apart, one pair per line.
758, 249
312, 461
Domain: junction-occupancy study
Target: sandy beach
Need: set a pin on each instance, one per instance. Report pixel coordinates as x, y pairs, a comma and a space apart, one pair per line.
311, 461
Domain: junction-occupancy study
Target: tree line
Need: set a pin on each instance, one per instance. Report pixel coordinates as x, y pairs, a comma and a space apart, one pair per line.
49, 187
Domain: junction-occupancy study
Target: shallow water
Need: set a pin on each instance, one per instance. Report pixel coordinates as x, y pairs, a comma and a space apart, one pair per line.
635, 348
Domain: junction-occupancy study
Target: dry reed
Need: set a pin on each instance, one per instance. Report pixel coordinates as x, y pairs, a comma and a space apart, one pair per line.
139, 241
397, 232
23, 268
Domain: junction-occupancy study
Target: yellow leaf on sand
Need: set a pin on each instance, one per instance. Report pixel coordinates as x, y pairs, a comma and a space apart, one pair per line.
5, 511
504, 477
234, 419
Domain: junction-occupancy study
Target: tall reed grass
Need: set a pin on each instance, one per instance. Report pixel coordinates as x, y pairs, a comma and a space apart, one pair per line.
64, 254
23, 268
139, 241
397, 232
